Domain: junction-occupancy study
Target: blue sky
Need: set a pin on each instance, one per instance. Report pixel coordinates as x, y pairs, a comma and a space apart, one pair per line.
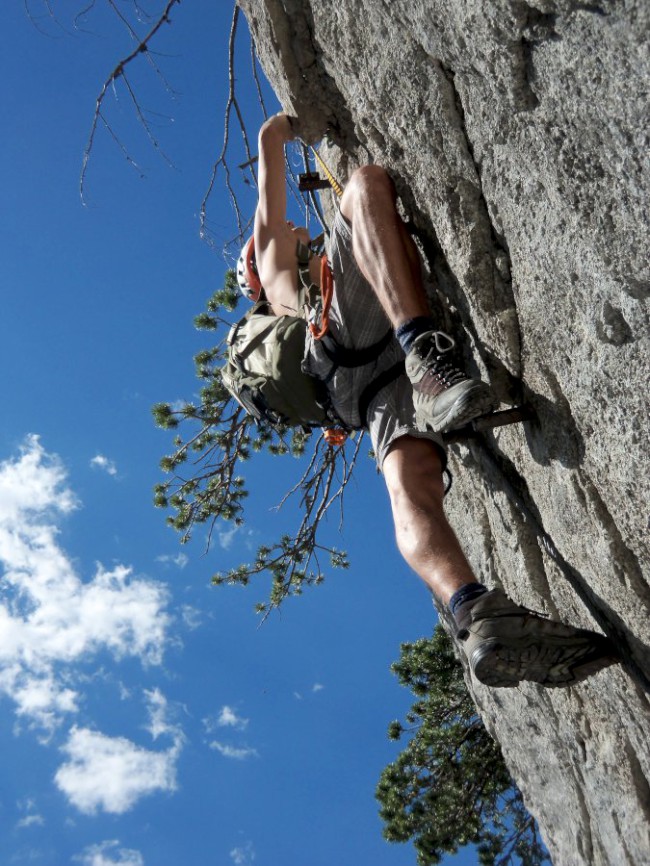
146, 717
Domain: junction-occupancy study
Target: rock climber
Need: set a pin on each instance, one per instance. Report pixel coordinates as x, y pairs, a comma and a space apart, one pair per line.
377, 286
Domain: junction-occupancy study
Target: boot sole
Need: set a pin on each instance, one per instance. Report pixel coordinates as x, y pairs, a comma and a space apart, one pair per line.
471, 404
554, 663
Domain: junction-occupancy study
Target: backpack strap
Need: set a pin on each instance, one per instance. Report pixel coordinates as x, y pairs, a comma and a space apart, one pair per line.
261, 308
308, 291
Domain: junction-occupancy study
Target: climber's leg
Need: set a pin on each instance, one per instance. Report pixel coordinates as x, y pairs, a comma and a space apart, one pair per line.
444, 396
383, 249
413, 472
504, 643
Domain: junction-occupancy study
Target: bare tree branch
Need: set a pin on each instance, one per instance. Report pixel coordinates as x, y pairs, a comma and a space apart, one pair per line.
145, 123
49, 14
256, 79
148, 53
141, 48
221, 161
125, 153
81, 15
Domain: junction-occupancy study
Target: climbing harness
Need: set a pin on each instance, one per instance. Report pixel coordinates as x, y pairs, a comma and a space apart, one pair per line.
263, 370
316, 301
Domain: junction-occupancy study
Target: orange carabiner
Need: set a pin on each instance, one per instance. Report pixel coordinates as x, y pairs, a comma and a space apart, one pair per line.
327, 292
335, 436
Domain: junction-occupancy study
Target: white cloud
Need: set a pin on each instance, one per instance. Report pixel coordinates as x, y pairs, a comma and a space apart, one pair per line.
226, 537
51, 619
112, 773
180, 560
192, 616
30, 821
317, 687
104, 854
243, 855
101, 462
238, 754
228, 718
31, 818
244, 535
52, 622
33, 483
159, 712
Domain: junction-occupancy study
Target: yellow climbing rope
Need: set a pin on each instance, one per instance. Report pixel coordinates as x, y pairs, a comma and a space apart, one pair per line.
336, 186
335, 437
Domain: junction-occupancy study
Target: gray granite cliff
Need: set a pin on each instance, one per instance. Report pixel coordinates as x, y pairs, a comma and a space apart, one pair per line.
518, 136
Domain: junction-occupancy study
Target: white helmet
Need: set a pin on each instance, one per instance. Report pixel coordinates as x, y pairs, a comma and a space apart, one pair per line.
247, 275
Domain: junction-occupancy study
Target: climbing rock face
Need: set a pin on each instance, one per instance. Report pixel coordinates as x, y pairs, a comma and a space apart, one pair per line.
518, 138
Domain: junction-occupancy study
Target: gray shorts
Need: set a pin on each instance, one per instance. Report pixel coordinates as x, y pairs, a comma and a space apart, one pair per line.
357, 321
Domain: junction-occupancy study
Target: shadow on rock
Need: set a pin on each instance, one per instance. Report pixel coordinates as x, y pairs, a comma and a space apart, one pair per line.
634, 654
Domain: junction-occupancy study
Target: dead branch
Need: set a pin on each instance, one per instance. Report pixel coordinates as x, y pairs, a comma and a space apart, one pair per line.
148, 54
49, 14
141, 48
221, 161
145, 124
256, 79
81, 15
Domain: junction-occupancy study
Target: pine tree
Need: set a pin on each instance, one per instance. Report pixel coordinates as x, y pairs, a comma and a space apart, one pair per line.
206, 483
450, 786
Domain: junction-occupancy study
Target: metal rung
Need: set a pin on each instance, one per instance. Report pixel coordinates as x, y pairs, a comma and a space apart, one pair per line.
311, 180
516, 415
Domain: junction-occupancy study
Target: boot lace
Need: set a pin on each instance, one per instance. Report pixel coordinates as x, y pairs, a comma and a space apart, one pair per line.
442, 367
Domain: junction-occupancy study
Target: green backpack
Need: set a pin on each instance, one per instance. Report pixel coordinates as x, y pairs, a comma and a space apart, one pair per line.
264, 374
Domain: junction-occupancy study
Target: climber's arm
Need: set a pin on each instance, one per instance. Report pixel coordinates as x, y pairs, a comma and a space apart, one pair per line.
272, 203
275, 246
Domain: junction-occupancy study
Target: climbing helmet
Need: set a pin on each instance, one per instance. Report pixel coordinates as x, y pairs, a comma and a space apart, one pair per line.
247, 275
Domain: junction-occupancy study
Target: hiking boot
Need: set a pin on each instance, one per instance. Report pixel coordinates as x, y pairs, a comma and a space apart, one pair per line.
444, 397
506, 644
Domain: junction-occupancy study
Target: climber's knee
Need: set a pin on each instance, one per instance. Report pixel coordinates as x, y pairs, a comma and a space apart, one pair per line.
413, 472
368, 186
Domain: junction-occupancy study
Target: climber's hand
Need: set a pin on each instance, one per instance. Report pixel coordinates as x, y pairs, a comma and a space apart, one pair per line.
280, 125
309, 129
288, 127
